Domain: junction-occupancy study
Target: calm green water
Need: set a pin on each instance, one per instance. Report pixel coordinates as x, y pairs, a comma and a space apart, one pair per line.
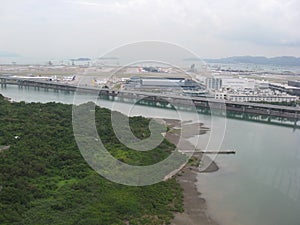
259, 185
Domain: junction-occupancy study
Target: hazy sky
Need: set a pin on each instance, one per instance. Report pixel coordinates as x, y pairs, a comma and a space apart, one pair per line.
89, 28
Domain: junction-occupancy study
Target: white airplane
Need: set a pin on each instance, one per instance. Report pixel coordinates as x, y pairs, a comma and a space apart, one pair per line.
69, 78
36, 78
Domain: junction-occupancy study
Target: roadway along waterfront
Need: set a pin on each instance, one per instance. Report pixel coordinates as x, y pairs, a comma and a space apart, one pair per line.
206, 105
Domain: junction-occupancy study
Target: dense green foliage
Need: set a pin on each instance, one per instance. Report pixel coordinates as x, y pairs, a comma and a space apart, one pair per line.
45, 180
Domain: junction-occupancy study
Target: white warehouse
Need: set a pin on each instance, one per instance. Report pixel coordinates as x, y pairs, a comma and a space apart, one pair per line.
216, 83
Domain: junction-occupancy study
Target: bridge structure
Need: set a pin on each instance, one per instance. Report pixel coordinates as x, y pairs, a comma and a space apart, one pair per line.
239, 110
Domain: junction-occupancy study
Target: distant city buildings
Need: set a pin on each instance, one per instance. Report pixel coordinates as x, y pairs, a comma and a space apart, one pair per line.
250, 90
240, 86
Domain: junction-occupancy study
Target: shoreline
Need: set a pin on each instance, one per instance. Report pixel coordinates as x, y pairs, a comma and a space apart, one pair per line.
195, 207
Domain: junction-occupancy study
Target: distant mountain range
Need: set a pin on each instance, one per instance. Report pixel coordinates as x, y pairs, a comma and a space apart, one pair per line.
275, 61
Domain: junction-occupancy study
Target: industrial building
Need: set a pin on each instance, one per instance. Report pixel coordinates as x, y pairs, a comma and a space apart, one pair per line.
165, 83
255, 97
238, 83
213, 83
294, 87
294, 83
291, 88
216, 83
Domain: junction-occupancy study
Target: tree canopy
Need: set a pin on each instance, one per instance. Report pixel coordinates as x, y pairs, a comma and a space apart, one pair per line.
45, 180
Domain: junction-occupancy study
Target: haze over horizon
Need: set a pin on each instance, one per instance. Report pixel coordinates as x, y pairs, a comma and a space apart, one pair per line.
44, 30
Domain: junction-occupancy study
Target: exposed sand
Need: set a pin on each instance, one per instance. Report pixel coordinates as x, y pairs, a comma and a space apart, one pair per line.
195, 208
